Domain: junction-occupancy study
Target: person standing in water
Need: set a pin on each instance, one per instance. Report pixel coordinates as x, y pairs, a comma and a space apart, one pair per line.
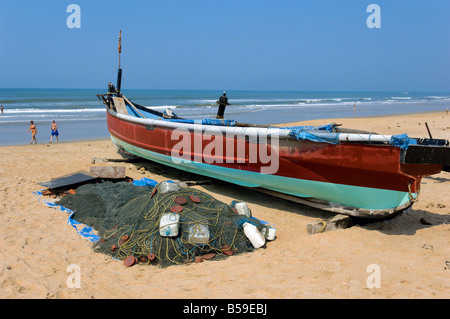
33, 130
223, 102
55, 133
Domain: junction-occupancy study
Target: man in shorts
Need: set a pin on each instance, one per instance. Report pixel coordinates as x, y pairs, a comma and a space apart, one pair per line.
54, 128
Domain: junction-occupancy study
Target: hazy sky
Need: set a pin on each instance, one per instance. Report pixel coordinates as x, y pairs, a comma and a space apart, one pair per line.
235, 44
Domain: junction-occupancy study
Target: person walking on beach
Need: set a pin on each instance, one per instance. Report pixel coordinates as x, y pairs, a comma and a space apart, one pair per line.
33, 130
55, 133
2, 109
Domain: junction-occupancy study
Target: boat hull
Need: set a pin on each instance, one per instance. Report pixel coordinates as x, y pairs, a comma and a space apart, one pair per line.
355, 179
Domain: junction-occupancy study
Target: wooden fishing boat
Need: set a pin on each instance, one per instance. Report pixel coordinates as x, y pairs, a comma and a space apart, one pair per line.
340, 170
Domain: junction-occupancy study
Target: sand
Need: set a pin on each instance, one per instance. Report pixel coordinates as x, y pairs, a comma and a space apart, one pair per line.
37, 245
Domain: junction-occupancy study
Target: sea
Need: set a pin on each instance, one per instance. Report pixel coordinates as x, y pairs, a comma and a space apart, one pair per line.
80, 115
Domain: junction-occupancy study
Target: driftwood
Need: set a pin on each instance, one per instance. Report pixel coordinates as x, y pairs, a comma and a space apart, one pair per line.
336, 222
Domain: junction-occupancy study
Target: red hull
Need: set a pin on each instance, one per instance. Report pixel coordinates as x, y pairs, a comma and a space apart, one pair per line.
355, 164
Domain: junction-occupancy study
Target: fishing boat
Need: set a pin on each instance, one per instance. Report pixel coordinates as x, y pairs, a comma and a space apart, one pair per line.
341, 170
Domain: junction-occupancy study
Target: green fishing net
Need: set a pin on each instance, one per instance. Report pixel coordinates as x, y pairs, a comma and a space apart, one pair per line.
165, 225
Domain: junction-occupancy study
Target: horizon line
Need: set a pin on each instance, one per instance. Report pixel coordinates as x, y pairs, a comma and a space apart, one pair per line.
270, 90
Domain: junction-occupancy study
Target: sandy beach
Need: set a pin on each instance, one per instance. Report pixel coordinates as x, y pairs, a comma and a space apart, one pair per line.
37, 245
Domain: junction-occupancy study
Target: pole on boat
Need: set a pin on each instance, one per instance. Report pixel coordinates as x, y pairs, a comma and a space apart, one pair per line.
119, 72
428, 129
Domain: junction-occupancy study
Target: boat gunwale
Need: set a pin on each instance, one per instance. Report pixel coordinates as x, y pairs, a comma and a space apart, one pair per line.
278, 132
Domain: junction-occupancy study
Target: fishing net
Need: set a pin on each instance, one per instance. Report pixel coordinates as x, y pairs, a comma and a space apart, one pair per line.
166, 224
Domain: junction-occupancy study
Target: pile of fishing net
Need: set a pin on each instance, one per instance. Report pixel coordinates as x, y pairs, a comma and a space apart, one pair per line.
166, 224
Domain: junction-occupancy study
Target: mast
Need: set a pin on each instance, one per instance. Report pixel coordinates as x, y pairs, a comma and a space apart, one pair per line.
119, 71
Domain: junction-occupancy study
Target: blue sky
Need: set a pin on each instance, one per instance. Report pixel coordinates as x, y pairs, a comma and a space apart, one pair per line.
235, 44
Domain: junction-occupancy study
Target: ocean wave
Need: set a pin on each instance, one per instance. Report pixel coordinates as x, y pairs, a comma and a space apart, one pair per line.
50, 104
31, 100
46, 120
50, 111
200, 101
238, 108
81, 107
433, 97
251, 101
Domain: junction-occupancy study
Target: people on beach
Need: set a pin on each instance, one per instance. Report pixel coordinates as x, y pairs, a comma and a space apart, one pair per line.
2, 109
55, 133
223, 102
33, 130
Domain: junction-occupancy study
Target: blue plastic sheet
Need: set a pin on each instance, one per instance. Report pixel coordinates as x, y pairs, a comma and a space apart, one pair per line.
252, 220
308, 133
401, 141
149, 115
145, 182
332, 138
86, 232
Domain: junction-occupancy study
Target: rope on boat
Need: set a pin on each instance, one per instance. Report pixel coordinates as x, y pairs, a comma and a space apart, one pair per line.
412, 199
323, 227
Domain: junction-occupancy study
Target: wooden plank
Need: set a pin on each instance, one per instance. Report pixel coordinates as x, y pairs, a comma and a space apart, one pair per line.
108, 171
119, 103
68, 180
134, 107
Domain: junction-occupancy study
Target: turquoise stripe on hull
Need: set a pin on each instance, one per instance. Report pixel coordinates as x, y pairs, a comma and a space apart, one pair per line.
355, 196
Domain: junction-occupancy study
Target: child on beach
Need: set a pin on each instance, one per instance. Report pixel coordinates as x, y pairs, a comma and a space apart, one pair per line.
54, 129
33, 132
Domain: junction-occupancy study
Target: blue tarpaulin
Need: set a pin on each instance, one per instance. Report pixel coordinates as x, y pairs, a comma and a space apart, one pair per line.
319, 134
307, 133
332, 138
145, 182
401, 141
86, 232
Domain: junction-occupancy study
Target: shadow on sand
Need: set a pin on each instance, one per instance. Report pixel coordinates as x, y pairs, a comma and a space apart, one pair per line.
407, 222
